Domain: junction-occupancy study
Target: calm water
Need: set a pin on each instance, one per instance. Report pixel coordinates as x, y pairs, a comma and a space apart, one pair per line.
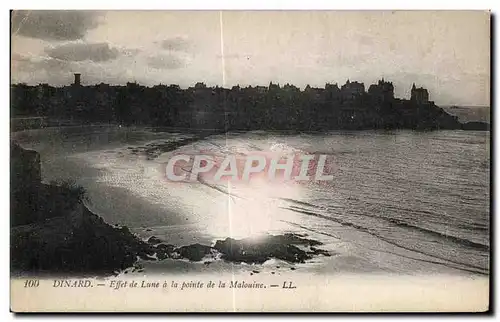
400, 201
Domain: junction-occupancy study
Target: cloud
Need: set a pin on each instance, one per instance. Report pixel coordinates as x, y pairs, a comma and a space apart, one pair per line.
56, 66
97, 52
130, 52
165, 62
16, 57
176, 44
54, 25
32, 65
35, 70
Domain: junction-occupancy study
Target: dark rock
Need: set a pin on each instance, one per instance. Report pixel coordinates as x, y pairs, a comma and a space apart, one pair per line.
165, 247
194, 252
146, 255
78, 243
124, 229
174, 255
476, 126
154, 240
161, 255
251, 251
296, 239
164, 251
317, 251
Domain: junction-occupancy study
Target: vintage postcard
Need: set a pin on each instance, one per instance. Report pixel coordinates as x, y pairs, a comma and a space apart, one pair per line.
250, 161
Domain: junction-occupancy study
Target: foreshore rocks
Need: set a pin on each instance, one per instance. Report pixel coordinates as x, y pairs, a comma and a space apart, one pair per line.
195, 252
251, 251
80, 243
258, 251
83, 244
154, 240
476, 126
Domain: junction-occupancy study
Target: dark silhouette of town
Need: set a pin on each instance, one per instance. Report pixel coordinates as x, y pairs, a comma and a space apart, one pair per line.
272, 107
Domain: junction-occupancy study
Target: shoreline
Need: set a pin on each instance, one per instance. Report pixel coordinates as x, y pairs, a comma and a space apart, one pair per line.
465, 126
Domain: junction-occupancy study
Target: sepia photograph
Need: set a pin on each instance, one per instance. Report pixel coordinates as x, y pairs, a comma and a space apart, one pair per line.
250, 161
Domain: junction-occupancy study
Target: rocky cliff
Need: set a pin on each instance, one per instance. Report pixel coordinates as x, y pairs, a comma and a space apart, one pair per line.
52, 230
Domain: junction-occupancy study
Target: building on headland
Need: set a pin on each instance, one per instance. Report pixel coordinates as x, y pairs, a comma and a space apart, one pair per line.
332, 88
351, 90
77, 81
382, 91
76, 96
313, 92
332, 93
273, 87
419, 95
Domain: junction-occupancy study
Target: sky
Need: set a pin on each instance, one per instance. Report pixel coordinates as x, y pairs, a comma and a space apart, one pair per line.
447, 52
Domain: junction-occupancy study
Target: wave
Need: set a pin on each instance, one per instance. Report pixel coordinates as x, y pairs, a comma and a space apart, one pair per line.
463, 266
458, 240
400, 223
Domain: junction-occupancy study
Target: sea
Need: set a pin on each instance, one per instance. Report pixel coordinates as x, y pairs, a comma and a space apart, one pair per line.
400, 202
